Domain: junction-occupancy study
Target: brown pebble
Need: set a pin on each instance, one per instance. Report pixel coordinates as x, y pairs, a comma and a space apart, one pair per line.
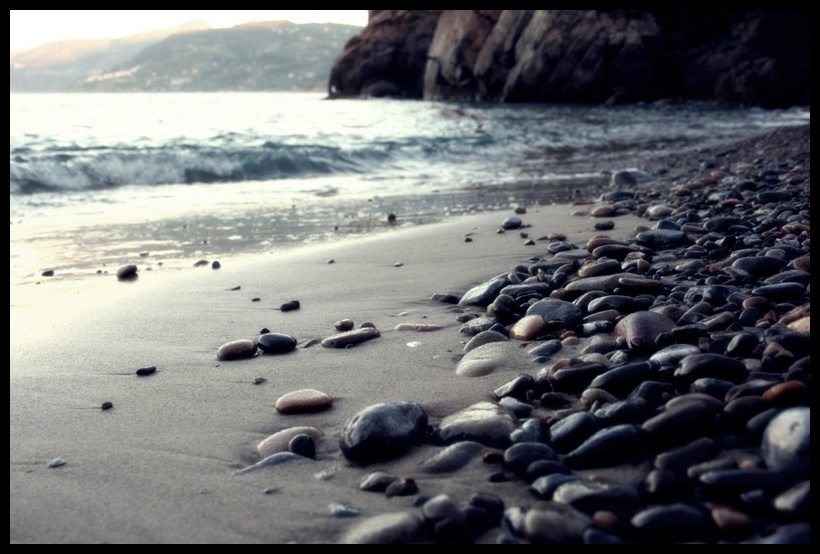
344, 325
605, 520
404, 486
726, 517
787, 393
595, 242
304, 400
603, 211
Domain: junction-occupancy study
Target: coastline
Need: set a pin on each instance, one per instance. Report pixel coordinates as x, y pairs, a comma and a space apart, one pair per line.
159, 466
187, 428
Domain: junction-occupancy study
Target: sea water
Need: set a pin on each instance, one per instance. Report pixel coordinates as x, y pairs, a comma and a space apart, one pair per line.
91, 173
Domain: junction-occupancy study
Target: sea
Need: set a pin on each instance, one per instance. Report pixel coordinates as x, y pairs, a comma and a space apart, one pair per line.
169, 179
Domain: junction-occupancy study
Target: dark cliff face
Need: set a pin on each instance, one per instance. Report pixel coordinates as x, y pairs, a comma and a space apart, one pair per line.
738, 57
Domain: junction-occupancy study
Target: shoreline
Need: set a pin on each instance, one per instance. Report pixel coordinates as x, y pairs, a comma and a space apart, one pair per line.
159, 466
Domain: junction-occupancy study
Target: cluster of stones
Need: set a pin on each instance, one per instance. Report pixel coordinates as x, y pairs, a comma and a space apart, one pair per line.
677, 358
690, 365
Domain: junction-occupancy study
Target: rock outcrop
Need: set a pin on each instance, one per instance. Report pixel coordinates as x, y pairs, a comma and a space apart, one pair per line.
735, 57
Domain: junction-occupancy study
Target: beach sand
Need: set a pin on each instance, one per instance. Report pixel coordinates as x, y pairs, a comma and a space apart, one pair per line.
158, 467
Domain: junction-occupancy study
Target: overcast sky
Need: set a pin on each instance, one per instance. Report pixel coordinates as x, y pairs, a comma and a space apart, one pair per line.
30, 28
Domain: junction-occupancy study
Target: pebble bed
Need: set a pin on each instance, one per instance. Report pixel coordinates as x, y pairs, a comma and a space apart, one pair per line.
683, 353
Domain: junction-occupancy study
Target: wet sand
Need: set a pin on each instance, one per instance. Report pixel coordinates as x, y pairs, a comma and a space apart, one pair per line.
158, 466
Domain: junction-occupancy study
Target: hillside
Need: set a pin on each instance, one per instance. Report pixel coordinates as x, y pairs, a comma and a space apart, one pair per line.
275, 55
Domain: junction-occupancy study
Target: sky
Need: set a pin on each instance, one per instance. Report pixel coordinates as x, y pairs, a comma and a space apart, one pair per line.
31, 28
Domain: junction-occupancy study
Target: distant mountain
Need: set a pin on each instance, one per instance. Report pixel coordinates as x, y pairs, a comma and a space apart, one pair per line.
259, 56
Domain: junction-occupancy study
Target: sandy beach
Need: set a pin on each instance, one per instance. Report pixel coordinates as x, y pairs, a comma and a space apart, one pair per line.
159, 466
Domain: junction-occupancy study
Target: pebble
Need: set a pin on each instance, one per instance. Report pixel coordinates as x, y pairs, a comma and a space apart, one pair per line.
280, 441
145, 371
275, 343
303, 401
269, 461
303, 445
378, 481
488, 358
383, 431
237, 349
127, 272
351, 338
484, 422
679, 408
786, 442
389, 528
452, 458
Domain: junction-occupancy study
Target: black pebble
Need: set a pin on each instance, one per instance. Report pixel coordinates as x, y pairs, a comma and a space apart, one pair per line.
107, 405
288, 306
143, 371
303, 445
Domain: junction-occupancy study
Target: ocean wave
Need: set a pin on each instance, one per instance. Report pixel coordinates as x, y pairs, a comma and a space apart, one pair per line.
63, 169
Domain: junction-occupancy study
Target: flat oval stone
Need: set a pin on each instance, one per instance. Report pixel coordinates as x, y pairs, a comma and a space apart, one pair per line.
484, 337
759, 266
641, 329
574, 254
660, 238
680, 422
671, 522
622, 379
351, 338
551, 309
786, 442
613, 251
304, 400
599, 267
591, 497
599, 282
490, 357
716, 366
484, 422
567, 433
389, 528
276, 343
237, 350
511, 222
780, 291
606, 447
556, 524
378, 481
520, 455
453, 457
482, 295
280, 441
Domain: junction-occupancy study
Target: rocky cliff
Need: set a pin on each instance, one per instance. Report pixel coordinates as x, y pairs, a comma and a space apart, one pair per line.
736, 57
